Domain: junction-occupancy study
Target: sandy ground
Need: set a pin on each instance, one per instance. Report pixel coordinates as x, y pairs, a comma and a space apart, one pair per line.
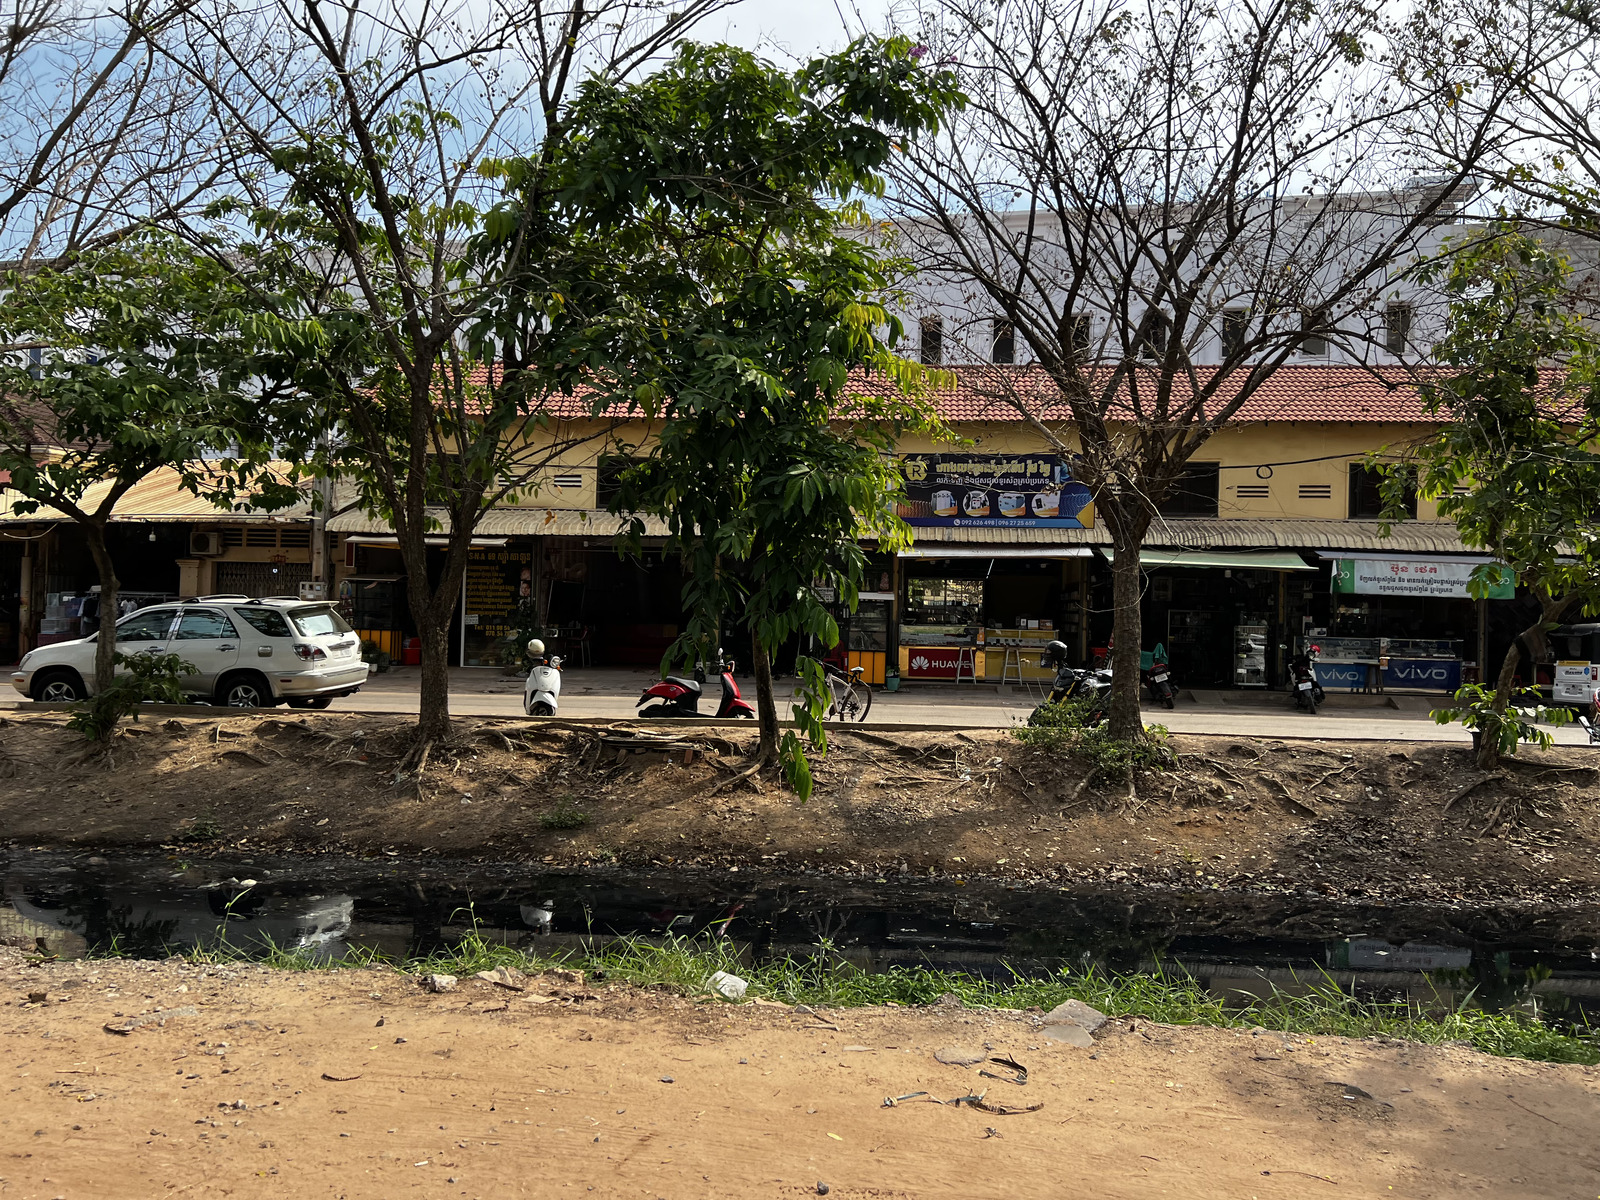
359, 1084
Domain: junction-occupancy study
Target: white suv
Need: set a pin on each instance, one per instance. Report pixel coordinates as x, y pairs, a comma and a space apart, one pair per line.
246, 653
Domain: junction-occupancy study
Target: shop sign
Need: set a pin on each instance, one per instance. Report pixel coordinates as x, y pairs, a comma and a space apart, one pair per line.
1394, 577
1342, 675
1427, 674
1028, 491
1575, 682
935, 662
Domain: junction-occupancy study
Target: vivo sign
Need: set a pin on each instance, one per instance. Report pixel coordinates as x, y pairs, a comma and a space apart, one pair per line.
1443, 675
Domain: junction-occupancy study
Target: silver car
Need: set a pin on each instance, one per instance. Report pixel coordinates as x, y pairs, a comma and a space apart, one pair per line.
246, 653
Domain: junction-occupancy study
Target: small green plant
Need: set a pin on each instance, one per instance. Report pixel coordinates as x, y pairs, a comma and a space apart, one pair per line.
1065, 728
140, 678
1474, 709
565, 815
201, 829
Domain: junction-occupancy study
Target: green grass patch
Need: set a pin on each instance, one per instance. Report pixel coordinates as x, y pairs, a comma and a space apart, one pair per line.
565, 815
683, 964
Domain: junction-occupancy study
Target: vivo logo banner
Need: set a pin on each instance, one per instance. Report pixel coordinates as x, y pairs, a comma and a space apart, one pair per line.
1342, 675
1434, 675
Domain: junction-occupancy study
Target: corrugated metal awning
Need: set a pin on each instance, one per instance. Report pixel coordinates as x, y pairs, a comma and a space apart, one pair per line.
1226, 533
996, 552
512, 522
1243, 560
159, 497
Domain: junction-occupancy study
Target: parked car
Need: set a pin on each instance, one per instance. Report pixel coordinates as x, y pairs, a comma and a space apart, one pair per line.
246, 653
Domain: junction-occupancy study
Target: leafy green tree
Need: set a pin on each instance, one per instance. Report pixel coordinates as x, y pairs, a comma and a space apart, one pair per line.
151, 356
735, 281
362, 178
1519, 394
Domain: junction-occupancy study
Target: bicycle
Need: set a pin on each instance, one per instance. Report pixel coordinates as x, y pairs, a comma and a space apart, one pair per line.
849, 698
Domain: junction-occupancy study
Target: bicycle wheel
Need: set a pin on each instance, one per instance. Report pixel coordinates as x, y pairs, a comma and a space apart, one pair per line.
856, 702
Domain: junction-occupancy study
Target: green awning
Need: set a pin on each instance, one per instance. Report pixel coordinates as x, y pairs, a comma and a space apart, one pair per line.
1242, 560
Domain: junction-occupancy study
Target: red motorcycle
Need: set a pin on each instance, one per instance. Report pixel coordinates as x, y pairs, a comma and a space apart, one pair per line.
676, 696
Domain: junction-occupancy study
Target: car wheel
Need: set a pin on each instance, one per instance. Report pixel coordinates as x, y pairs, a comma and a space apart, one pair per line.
310, 701
245, 691
540, 709
59, 687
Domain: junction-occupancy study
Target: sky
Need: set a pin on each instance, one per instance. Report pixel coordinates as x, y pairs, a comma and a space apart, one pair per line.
792, 27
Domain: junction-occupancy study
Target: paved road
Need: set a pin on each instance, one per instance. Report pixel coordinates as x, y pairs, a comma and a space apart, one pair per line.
612, 693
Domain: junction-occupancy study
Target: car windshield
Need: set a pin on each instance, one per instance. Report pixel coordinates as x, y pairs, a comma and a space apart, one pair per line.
318, 621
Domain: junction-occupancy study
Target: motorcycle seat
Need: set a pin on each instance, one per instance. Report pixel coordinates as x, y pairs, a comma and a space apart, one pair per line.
687, 684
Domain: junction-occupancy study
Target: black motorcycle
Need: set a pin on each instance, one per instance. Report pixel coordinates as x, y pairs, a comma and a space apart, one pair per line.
1303, 685
1072, 683
1158, 679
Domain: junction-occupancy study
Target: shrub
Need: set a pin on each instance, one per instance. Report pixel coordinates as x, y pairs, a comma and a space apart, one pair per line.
1064, 728
1475, 710
141, 678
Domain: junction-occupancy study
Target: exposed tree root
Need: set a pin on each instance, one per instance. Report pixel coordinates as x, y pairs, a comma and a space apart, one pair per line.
1477, 783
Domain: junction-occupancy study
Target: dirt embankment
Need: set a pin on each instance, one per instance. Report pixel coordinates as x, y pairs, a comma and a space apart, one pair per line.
246, 1083
1373, 821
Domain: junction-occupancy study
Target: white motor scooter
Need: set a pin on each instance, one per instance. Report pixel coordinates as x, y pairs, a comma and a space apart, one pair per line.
541, 694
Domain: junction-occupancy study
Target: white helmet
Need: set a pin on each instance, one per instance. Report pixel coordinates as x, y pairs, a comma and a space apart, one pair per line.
536, 647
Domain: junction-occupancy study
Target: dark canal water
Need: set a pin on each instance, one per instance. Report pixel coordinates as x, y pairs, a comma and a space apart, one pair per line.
1546, 959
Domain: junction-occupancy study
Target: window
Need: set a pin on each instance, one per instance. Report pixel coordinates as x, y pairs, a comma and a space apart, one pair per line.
317, 620
36, 363
204, 624
1154, 328
1194, 494
1366, 494
1082, 325
1004, 346
931, 350
148, 625
608, 477
1397, 328
1235, 329
268, 622
262, 538
1313, 334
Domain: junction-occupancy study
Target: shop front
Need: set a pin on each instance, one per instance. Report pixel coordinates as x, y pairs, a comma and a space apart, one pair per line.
973, 613
1221, 615
1398, 621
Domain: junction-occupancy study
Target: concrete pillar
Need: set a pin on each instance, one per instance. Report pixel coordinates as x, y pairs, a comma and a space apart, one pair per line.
189, 577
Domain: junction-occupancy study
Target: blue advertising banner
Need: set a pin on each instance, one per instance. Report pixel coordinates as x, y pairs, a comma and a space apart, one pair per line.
1027, 491
1342, 675
1433, 674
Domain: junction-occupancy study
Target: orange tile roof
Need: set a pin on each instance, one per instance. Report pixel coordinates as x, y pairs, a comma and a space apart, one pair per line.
1291, 393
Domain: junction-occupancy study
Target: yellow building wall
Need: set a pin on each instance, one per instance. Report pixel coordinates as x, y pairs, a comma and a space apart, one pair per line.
1304, 455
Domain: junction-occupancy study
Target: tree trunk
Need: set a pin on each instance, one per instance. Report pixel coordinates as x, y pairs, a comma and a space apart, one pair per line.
105, 648
766, 706
1126, 722
433, 719
1551, 612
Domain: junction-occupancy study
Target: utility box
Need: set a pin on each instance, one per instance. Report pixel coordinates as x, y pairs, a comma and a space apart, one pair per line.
313, 589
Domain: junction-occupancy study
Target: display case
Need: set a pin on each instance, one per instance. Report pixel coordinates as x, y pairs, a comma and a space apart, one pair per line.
1250, 655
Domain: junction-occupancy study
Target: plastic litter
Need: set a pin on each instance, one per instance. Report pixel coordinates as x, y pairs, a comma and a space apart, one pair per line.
729, 987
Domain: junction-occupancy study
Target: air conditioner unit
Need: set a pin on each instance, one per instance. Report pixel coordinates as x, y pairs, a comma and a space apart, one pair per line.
205, 543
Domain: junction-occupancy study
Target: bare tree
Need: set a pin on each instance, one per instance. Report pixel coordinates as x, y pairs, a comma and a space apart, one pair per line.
369, 149
1163, 204
99, 132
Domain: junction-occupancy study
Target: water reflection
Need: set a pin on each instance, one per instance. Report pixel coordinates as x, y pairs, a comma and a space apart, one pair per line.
1238, 946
